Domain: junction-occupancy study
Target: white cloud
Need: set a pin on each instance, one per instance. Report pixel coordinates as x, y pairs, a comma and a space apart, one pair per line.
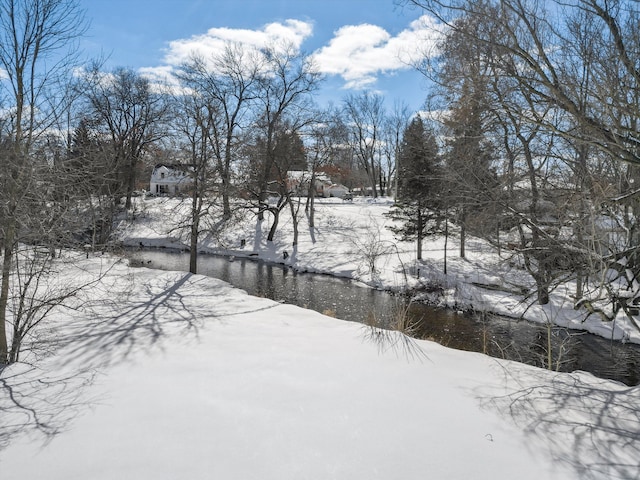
162, 79
290, 32
158, 74
359, 53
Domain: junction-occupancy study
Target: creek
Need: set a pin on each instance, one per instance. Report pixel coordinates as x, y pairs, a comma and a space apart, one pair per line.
345, 299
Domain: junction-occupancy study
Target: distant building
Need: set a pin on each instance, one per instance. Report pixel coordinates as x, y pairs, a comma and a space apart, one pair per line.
299, 181
336, 190
170, 179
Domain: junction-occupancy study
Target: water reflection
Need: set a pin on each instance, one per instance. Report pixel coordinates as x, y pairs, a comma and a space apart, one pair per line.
497, 336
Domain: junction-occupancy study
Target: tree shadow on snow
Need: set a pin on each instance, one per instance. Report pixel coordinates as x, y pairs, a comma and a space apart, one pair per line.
600, 418
128, 323
42, 400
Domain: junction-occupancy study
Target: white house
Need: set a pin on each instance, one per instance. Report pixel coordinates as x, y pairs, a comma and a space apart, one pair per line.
336, 190
170, 179
299, 181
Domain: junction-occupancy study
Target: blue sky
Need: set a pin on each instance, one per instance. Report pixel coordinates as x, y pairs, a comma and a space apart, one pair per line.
357, 44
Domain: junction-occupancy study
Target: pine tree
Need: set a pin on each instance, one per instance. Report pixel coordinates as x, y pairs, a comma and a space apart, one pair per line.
471, 181
419, 184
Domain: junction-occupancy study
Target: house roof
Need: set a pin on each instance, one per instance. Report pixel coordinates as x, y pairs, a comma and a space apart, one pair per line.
300, 175
173, 173
174, 166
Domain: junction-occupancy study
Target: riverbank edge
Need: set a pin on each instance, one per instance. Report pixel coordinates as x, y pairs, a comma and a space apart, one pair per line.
430, 292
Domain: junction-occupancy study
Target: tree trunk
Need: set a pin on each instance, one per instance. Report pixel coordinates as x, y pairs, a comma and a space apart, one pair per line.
226, 178
4, 288
195, 227
446, 239
372, 179
311, 202
549, 347
193, 249
16, 343
131, 183
294, 220
274, 225
419, 254
226, 205
312, 212
579, 284
542, 274
542, 291
463, 231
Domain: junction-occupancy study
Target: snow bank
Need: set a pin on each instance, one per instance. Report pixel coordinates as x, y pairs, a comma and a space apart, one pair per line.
166, 375
350, 237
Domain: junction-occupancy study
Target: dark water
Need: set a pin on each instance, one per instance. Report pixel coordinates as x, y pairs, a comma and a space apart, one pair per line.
497, 336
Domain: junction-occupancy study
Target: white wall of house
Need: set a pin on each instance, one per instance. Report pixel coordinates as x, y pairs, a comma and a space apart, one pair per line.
299, 181
337, 190
167, 180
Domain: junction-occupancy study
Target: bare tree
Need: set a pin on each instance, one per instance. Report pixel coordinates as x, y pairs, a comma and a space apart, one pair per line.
286, 154
36, 51
131, 114
563, 82
324, 141
536, 50
395, 125
228, 83
287, 82
193, 116
365, 118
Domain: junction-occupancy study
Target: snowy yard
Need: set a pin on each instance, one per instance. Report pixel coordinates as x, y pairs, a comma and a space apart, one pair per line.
166, 375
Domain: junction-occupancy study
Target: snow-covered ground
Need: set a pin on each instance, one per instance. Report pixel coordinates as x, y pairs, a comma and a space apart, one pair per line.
167, 375
348, 234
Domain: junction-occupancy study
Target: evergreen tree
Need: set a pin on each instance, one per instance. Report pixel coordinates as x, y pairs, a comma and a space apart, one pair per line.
289, 152
419, 184
87, 162
471, 181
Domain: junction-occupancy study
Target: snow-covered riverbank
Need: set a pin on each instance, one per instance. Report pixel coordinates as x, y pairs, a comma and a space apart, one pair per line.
166, 375
349, 235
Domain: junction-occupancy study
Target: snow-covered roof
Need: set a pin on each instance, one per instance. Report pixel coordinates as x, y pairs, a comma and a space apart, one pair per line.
171, 173
302, 175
